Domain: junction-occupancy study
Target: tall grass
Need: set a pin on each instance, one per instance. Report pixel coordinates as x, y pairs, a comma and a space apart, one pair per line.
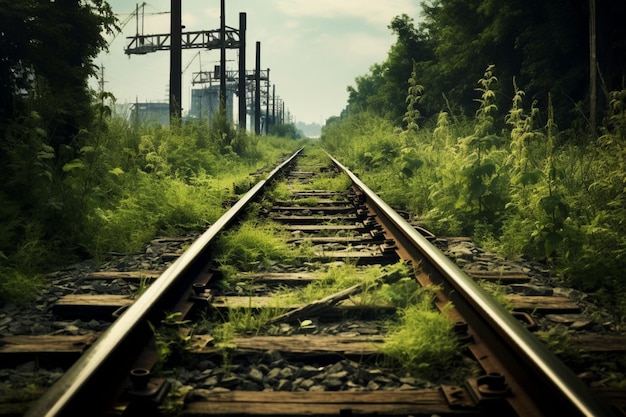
525, 189
422, 342
254, 246
116, 189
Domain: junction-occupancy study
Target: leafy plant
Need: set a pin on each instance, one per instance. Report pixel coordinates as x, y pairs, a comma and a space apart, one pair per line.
171, 340
414, 94
18, 288
280, 191
253, 246
144, 283
422, 342
560, 343
481, 171
224, 340
249, 319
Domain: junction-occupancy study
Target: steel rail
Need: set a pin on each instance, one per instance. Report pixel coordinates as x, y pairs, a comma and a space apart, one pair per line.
95, 377
552, 386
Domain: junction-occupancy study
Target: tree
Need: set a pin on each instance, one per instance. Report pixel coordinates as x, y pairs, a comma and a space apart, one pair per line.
46, 110
46, 54
544, 45
383, 91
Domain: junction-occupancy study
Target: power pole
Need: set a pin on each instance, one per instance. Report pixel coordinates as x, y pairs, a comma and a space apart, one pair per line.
267, 105
101, 81
274, 104
593, 62
242, 71
223, 57
257, 90
176, 62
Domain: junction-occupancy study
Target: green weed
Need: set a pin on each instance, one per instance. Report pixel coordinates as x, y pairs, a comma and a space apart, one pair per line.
252, 320
280, 191
18, 288
253, 246
335, 279
224, 340
559, 341
498, 292
422, 342
172, 342
307, 202
388, 285
329, 182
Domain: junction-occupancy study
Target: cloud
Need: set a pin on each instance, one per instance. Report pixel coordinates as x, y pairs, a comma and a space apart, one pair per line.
374, 12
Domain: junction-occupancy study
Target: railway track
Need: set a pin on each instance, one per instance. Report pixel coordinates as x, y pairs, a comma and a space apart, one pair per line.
300, 356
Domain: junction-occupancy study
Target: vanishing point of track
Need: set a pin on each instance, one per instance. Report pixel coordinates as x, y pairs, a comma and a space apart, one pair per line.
519, 375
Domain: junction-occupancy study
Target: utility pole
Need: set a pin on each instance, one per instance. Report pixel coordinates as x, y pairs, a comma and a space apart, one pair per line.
242, 71
101, 81
274, 104
593, 62
223, 57
267, 105
257, 91
176, 64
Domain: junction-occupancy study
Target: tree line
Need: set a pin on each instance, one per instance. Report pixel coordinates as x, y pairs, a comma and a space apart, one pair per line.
543, 45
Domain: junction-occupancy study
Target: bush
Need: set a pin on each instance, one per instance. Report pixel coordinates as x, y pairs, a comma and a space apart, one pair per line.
18, 288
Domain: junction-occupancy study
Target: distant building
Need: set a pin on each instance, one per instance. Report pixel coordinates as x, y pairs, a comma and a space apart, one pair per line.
204, 105
205, 102
150, 114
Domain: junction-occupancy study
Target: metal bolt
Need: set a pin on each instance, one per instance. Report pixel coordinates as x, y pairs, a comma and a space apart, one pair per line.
461, 329
492, 385
140, 377
198, 288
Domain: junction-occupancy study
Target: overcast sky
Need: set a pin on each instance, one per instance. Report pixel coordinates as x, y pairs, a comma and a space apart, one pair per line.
314, 48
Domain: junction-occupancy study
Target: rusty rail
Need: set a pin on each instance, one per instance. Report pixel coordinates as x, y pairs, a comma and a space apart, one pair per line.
533, 382
96, 377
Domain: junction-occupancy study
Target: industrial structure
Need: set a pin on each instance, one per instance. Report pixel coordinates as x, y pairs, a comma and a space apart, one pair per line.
207, 100
205, 103
150, 114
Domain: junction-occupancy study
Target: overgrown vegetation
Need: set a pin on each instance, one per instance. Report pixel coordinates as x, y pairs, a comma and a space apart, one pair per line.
527, 159
530, 189
423, 341
511, 157
171, 340
392, 285
254, 246
80, 183
123, 189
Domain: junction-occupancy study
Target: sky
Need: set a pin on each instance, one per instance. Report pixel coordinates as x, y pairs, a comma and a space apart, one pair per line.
314, 49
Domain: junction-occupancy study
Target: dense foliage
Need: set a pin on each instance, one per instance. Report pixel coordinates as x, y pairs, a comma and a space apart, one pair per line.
77, 183
510, 157
544, 44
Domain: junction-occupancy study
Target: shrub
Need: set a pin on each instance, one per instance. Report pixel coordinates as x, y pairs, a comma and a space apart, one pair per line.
18, 288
